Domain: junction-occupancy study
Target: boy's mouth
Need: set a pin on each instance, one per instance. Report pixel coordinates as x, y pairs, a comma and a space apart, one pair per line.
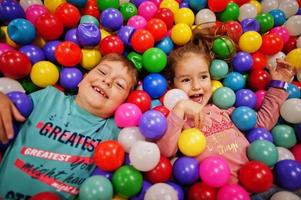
100, 91
196, 98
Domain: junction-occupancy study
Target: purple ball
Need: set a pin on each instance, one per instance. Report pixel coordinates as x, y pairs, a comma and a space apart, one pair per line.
177, 188
186, 170
88, 34
141, 194
259, 134
184, 5
137, 2
49, 50
127, 160
71, 36
22, 101
250, 24
288, 174
101, 172
70, 77
125, 34
152, 124
111, 19
242, 62
33, 52
245, 97
10, 10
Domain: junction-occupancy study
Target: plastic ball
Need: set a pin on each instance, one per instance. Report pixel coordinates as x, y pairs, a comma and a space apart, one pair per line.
170, 4
78, 3
266, 22
22, 101
147, 9
181, 34
162, 109
49, 26
217, 6
215, 85
127, 114
128, 10
244, 118
293, 57
233, 30
197, 4
91, 8
90, 58
165, 45
137, 21
259, 61
111, 19
230, 13
68, 14
247, 11
290, 44
258, 80
154, 60
4, 47
202, 191
125, 34
21, 31
293, 91
235, 81
250, 41
155, 85
10, 85
44, 73
129, 136
284, 154
205, 16
45, 196
105, 4
284, 195
249, 24
184, 16
186, 170
165, 15
293, 25
259, 134
142, 40
141, 99
218, 69
34, 11
192, 142
224, 97
289, 8
10, 10
111, 44
95, 187
14, 64
264, 151
271, 44
296, 151
70, 78
161, 173
242, 62
88, 34
49, 50
223, 47
145, 186
157, 28
33, 52
160, 191
284, 136
290, 110
278, 16
68, 54
89, 19
245, 97
172, 97
232, 191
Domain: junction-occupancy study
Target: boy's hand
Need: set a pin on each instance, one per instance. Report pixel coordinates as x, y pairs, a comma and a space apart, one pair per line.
8, 111
282, 72
189, 108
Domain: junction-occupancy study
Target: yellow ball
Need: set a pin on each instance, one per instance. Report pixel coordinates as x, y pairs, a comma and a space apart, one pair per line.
181, 34
40, 42
192, 142
90, 58
257, 6
294, 58
185, 16
53, 4
215, 85
104, 33
250, 41
44, 73
170, 4
7, 38
116, 197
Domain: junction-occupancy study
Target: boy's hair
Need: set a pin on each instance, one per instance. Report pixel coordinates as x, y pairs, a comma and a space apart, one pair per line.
126, 63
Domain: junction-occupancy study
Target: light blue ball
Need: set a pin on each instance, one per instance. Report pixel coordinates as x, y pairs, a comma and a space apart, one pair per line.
293, 91
235, 81
197, 5
279, 17
89, 19
218, 69
165, 45
78, 3
224, 97
21, 31
244, 118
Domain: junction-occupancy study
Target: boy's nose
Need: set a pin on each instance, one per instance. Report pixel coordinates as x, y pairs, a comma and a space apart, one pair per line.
107, 82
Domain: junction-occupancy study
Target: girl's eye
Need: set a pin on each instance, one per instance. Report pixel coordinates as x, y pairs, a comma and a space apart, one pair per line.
204, 76
185, 80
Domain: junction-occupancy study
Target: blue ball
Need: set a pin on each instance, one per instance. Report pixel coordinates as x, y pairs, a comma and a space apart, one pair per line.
22, 101
177, 188
186, 170
49, 50
70, 78
141, 194
197, 5
250, 24
155, 103
279, 17
10, 10
111, 19
78, 3
125, 34
100, 172
71, 36
155, 85
165, 45
242, 62
293, 91
21, 31
88, 34
259, 134
244, 118
235, 81
33, 52
245, 97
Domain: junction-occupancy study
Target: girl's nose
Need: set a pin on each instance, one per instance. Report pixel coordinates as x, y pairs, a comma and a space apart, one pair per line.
196, 86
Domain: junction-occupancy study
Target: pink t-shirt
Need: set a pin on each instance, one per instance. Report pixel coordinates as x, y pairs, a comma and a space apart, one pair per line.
222, 136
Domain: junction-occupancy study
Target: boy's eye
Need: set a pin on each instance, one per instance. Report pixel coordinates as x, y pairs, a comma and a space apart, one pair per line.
120, 85
102, 72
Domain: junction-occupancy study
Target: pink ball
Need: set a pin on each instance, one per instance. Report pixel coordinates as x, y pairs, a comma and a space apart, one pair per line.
156, 2
282, 32
260, 94
34, 11
147, 9
137, 21
214, 171
296, 150
5, 47
127, 114
232, 192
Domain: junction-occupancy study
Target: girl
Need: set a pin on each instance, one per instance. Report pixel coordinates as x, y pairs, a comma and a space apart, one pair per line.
188, 70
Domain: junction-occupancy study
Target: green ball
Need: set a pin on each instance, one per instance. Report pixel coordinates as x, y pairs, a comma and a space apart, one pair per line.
127, 181
264, 151
284, 136
28, 85
266, 22
224, 98
223, 47
1, 34
89, 19
136, 59
96, 187
128, 10
231, 13
154, 60
104, 4
218, 69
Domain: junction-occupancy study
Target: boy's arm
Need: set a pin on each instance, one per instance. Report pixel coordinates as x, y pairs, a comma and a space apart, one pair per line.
8, 112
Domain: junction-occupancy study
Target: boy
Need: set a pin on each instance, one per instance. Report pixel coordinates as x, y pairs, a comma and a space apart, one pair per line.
53, 150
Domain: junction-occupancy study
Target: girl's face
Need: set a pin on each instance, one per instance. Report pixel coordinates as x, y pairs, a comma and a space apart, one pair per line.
192, 76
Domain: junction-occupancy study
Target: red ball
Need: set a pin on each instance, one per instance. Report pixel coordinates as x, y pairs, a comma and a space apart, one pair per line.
109, 155
142, 40
14, 64
271, 44
49, 26
201, 191
299, 2
290, 44
258, 80
141, 99
217, 5
68, 54
161, 173
162, 109
111, 44
297, 83
91, 8
259, 61
45, 196
255, 176
241, 2
68, 14
157, 28
233, 29
166, 15
296, 151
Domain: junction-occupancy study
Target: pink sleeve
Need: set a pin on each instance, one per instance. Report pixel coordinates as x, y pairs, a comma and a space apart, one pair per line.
168, 144
268, 114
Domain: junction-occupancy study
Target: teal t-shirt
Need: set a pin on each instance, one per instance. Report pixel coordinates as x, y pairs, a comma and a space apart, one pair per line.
54, 148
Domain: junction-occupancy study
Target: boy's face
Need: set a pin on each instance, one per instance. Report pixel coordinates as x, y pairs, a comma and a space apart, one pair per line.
104, 88
192, 76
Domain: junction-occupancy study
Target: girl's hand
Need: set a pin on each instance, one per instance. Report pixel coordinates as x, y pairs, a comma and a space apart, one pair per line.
282, 72
190, 109
8, 111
